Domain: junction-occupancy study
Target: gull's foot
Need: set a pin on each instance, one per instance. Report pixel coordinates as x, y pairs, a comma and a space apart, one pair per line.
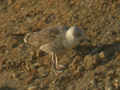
59, 69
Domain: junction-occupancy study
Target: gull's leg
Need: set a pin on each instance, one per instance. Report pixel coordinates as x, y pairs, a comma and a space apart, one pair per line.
53, 59
38, 52
58, 67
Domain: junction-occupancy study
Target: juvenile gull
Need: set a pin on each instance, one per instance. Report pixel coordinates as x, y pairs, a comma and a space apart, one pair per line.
55, 41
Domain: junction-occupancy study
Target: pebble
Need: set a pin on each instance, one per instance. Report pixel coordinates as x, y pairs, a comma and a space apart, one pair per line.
108, 84
116, 83
89, 61
32, 88
101, 55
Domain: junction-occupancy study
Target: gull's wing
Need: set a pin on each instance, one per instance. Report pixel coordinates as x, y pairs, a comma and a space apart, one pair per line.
44, 36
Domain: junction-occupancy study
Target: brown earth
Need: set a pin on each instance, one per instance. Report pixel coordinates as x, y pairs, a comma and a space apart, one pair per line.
92, 66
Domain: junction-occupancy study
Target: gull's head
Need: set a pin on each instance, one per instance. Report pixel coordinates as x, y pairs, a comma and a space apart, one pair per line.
75, 32
75, 35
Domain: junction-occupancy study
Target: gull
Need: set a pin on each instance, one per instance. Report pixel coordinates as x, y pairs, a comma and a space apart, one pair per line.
56, 41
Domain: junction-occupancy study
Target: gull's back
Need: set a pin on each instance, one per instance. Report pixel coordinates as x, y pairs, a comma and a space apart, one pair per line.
44, 36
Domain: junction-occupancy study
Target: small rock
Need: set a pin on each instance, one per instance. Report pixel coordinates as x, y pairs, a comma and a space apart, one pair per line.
108, 84
32, 88
110, 72
13, 75
32, 53
10, 2
42, 71
101, 55
89, 61
116, 83
100, 69
29, 80
36, 65
118, 39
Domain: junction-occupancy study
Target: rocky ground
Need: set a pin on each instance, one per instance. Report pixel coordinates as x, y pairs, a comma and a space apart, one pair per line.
92, 66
